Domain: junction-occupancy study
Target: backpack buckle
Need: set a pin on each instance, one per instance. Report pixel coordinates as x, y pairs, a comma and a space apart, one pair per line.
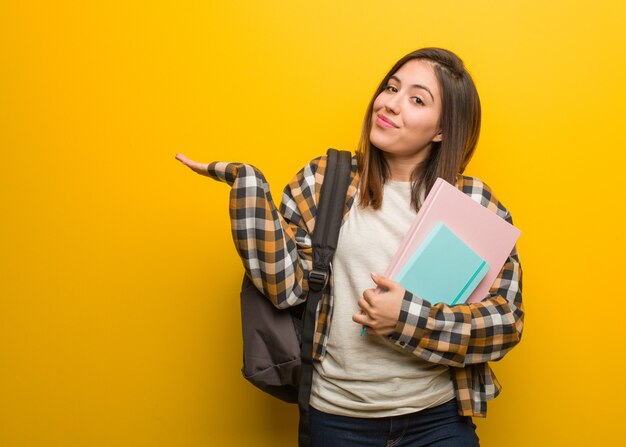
318, 279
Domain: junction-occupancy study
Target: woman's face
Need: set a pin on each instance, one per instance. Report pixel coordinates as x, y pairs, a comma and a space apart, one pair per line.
406, 114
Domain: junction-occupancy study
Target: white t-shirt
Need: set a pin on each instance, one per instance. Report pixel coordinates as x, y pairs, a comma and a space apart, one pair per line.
369, 376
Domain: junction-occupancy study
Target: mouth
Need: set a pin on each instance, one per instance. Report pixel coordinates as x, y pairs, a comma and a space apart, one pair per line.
385, 122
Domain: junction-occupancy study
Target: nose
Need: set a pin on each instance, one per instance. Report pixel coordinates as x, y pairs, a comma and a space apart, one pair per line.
392, 103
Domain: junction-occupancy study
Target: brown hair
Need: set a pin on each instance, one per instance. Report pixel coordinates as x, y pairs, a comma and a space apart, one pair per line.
459, 121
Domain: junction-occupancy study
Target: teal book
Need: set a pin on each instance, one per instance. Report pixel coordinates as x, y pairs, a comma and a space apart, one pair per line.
443, 268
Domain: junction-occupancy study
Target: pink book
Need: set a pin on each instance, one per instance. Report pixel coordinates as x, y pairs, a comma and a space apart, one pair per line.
490, 236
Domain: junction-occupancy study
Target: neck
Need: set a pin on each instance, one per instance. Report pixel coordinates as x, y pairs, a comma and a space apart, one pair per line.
401, 167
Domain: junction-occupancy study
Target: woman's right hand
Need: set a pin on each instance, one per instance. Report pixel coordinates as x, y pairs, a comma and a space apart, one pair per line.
199, 168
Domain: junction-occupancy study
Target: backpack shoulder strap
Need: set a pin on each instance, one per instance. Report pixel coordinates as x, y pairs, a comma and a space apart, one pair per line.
325, 236
330, 207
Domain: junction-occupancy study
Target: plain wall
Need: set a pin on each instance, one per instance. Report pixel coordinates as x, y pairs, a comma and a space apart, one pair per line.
119, 307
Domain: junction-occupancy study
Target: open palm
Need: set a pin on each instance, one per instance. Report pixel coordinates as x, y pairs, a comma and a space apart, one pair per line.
199, 168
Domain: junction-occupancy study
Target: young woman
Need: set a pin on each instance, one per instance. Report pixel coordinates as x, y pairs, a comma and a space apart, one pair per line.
420, 373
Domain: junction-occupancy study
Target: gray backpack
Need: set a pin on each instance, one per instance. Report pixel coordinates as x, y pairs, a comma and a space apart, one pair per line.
278, 343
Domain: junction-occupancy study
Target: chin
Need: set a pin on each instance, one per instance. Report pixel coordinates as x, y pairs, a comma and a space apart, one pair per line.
383, 146
380, 143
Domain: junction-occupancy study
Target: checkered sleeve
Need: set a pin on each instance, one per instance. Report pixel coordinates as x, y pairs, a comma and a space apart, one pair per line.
274, 245
467, 333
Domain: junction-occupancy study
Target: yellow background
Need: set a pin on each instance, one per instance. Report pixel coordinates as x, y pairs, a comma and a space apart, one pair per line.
119, 321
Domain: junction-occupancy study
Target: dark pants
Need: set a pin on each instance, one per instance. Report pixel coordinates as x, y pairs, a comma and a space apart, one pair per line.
439, 426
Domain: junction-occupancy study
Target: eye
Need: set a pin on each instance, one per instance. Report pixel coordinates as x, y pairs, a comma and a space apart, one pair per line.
418, 100
387, 87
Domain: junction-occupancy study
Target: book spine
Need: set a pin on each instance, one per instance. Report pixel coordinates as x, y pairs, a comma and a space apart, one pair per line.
479, 270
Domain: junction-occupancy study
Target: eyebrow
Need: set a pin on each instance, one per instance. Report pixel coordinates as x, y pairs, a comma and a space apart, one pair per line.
423, 87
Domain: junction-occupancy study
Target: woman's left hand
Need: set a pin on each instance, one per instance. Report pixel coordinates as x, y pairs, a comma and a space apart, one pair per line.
380, 311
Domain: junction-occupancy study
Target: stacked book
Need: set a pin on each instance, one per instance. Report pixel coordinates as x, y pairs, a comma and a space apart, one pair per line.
454, 249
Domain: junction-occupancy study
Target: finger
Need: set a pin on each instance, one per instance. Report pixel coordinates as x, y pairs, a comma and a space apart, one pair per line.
365, 305
384, 282
200, 168
363, 319
183, 158
370, 296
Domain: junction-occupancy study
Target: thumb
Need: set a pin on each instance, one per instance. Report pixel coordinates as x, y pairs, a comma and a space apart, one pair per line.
383, 281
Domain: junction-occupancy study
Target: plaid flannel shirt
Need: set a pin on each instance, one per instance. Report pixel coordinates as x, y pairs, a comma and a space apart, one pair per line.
275, 247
